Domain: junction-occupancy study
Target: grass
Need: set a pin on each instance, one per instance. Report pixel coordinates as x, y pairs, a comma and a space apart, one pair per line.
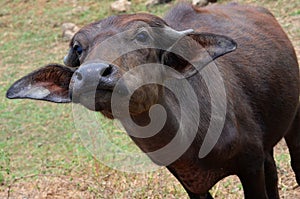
41, 153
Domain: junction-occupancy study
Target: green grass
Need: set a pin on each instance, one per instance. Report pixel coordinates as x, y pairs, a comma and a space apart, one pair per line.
40, 147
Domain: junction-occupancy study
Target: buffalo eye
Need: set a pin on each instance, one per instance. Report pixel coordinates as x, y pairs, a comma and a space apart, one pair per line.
142, 37
78, 48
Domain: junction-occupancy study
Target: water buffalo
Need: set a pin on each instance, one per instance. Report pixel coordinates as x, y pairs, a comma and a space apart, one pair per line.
228, 65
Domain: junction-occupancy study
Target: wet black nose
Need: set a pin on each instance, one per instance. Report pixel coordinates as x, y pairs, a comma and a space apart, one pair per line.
94, 72
93, 76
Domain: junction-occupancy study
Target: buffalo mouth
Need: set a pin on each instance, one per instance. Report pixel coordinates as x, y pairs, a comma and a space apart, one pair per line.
91, 87
94, 100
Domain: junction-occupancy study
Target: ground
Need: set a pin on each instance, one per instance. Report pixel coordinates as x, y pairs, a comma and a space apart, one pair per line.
41, 154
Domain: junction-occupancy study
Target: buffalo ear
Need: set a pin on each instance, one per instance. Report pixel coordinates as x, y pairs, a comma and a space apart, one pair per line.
192, 52
49, 83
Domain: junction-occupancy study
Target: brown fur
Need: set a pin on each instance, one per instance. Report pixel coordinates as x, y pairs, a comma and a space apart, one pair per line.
262, 92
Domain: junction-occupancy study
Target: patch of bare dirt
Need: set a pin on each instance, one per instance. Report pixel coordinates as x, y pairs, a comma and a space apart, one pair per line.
49, 186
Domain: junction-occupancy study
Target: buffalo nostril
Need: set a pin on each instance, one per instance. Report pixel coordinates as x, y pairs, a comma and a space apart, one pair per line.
78, 76
107, 71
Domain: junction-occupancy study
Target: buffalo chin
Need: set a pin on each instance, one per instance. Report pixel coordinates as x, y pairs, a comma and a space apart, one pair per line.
99, 101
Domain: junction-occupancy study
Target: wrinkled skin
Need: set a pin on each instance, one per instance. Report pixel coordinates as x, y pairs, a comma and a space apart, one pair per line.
257, 64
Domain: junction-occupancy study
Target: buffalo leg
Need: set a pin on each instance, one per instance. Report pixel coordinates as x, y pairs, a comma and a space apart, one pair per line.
292, 139
191, 194
254, 184
271, 177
